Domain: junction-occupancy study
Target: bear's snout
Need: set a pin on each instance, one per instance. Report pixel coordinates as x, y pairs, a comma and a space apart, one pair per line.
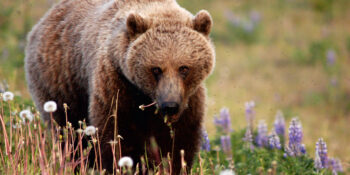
169, 108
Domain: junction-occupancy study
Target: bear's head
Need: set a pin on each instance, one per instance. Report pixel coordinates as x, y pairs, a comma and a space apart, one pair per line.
169, 60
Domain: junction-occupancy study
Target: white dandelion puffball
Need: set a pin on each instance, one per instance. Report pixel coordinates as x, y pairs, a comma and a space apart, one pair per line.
125, 161
26, 115
7, 96
50, 106
16, 126
90, 130
227, 172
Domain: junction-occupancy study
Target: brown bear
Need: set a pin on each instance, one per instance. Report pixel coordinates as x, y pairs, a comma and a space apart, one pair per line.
91, 53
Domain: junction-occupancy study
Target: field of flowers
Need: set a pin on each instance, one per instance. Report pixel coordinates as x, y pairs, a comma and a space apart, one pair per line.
28, 146
290, 56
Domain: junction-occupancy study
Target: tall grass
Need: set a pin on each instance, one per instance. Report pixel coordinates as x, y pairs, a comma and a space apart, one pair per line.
29, 146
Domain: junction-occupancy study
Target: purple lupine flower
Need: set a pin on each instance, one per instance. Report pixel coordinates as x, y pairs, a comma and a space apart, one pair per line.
224, 122
295, 135
255, 16
288, 151
321, 149
336, 165
232, 18
302, 149
248, 26
205, 141
226, 144
262, 138
248, 139
250, 113
295, 148
331, 57
333, 81
274, 141
317, 162
280, 124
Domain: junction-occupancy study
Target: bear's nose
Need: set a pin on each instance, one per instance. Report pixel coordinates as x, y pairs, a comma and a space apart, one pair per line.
169, 108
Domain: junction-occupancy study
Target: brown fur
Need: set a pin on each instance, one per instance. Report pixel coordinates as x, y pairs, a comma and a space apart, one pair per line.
83, 52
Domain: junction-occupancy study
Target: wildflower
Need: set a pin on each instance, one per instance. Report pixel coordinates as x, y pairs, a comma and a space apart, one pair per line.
321, 149
113, 142
26, 115
331, 56
7, 96
288, 151
274, 141
3, 86
79, 131
317, 162
262, 139
226, 144
248, 138
249, 112
295, 136
125, 161
232, 18
302, 149
17, 126
294, 147
279, 124
224, 122
227, 172
336, 165
333, 81
90, 130
50, 106
248, 26
205, 141
255, 16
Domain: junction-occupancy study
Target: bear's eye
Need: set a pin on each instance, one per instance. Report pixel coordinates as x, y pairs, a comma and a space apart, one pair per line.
156, 71
184, 70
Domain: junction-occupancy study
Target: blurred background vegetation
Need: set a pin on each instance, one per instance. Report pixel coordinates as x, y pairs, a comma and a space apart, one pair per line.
292, 55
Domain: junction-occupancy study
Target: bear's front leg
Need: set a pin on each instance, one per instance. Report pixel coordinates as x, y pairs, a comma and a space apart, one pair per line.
103, 88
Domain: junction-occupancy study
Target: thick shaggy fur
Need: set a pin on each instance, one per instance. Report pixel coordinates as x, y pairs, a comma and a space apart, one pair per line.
83, 52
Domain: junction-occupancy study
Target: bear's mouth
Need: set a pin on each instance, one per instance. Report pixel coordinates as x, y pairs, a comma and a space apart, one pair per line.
174, 118
167, 118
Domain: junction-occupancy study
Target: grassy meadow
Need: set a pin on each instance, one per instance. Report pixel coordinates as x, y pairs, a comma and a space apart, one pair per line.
288, 55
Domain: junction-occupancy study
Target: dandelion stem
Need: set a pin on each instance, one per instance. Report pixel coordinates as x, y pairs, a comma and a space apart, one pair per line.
142, 107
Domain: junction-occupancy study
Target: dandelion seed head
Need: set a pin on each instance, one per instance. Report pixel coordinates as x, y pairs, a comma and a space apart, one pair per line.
79, 131
227, 172
50, 106
90, 130
26, 115
113, 142
7, 96
125, 162
17, 126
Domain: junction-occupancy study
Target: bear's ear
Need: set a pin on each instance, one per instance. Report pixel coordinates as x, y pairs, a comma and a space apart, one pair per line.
135, 24
202, 22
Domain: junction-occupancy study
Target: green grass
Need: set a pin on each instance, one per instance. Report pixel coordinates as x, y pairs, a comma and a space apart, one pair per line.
34, 151
282, 65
